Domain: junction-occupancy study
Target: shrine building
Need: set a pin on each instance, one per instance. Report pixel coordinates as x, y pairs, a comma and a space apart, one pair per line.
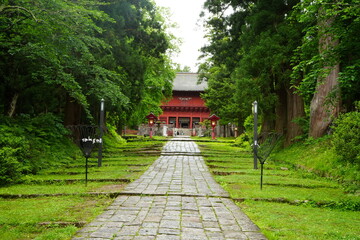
186, 108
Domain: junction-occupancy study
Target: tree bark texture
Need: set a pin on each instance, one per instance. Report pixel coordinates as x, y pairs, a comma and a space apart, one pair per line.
289, 108
281, 111
295, 109
268, 125
73, 111
322, 108
12, 105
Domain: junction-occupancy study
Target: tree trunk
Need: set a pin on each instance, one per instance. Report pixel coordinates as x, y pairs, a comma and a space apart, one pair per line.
268, 125
280, 111
13, 105
240, 127
295, 109
323, 108
72, 112
289, 107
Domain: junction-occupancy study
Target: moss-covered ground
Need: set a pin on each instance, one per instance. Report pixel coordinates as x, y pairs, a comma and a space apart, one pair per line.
301, 198
60, 216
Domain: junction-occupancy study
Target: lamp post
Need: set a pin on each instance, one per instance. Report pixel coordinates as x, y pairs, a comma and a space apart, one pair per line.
101, 127
151, 119
255, 112
213, 118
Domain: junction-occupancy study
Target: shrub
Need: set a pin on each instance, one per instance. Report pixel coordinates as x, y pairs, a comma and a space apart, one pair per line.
30, 144
242, 141
249, 127
10, 168
14, 154
346, 139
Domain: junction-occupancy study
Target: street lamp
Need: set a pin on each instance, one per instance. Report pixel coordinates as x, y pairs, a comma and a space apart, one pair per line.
255, 146
213, 118
151, 119
101, 127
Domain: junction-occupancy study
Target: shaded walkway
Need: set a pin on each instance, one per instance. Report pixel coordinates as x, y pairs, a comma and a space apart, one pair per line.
176, 198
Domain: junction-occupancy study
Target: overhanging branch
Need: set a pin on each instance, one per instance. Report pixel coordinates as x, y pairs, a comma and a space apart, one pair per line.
17, 8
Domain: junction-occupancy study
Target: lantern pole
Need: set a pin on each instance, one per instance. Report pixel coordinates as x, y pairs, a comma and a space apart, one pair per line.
255, 146
213, 131
213, 118
86, 170
102, 110
151, 120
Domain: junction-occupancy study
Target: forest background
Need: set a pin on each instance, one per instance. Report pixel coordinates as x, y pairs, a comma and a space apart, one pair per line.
299, 60
58, 59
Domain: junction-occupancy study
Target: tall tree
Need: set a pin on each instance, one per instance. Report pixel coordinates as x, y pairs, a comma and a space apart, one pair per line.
322, 110
64, 56
139, 48
48, 55
255, 42
328, 59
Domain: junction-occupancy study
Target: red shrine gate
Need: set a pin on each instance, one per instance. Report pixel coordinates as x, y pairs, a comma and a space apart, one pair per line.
186, 108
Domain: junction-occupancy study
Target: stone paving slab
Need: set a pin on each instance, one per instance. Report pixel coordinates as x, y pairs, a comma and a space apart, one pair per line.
176, 198
171, 217
181, 175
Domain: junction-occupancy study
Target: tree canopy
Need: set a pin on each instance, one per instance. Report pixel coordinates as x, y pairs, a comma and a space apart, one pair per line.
277, 53
64, 56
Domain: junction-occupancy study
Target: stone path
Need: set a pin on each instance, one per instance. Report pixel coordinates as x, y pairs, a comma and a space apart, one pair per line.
176, 198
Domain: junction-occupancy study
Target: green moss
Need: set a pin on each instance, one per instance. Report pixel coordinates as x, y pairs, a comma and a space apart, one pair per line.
20, 218
281, 221
318, 157
314, 205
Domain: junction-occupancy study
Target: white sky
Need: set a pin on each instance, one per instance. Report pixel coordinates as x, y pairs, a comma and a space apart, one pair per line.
185, 13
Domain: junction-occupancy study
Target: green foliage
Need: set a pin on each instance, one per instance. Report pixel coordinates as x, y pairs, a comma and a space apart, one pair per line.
263, 51
140, 56
248, 57
243, 142
10, 168
220, 93
179, 68
317, 156
207, 124
303, 122
14, 153
309, 62
111, 138
59, 53
346, 139
249, 127
30, 144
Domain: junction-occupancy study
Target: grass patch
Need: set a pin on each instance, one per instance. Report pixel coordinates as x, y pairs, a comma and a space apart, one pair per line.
20, 218
282, 221
78, 187
319, 157
23, 218
299, 199
218, 139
